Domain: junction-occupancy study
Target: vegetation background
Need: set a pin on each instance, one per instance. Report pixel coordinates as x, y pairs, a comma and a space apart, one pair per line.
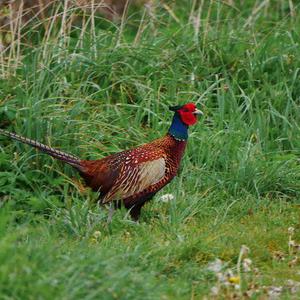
84, 84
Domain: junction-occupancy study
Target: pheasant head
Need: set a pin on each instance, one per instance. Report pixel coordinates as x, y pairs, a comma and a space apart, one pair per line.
185, 116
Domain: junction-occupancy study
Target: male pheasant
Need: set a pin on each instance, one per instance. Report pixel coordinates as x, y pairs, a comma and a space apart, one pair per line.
133, 176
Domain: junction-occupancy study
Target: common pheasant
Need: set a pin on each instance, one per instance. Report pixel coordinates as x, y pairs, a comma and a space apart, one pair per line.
133, 176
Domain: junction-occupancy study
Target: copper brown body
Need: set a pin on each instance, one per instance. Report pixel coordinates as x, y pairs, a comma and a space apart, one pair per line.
119, 176
132, 176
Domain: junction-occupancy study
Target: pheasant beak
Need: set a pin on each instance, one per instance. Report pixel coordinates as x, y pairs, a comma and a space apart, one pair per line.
198, 112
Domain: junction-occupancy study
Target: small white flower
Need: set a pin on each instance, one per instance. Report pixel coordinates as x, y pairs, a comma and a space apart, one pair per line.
291, 230
167, 197
97, 234
292, 243
274, 291
215, 266
247, 262
293, 286
214, 291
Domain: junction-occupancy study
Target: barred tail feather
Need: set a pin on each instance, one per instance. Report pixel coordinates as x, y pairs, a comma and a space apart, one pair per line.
65, 157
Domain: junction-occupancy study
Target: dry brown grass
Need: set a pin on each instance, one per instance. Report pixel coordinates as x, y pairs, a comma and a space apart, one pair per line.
16, 14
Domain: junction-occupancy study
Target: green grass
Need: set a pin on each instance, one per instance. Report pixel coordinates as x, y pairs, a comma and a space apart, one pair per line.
94, 91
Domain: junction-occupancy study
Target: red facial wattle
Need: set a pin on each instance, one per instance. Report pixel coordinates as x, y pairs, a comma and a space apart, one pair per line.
187, 114
187, 117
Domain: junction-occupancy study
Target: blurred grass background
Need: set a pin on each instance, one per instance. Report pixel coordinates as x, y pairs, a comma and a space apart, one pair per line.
79, 82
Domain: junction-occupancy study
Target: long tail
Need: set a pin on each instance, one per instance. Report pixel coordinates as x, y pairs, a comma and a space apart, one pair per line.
65, 157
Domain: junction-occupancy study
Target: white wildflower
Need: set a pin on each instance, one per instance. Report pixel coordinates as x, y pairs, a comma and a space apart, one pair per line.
97, 234
293, 286
274, 291
292, 243
247, 262
215, 266
291, 230
167, 197
214, 291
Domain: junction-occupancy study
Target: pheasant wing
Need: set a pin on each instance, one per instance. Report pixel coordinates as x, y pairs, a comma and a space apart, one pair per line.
134, 178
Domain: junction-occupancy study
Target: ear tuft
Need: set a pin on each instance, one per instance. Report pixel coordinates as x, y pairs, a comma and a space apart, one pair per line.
174, 108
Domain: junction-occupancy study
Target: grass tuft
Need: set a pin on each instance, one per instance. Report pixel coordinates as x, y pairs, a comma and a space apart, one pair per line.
93, 88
